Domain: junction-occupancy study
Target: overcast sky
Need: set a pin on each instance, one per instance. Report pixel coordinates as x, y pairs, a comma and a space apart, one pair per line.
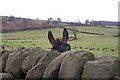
71, 10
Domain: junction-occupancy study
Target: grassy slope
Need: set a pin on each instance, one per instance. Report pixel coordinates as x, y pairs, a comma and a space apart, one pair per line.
38, 38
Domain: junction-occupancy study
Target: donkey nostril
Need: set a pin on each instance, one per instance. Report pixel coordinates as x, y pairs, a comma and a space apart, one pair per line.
68, 48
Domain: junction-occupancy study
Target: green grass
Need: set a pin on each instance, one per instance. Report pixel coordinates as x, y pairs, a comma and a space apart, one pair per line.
38, 38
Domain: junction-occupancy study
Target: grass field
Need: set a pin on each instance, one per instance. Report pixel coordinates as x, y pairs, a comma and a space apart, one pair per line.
100, 45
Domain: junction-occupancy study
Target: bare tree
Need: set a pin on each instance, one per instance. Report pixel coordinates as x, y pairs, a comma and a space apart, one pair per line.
59, 21
50, 21
87, 22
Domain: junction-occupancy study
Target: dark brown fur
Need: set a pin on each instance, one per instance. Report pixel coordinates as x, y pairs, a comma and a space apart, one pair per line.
59, 45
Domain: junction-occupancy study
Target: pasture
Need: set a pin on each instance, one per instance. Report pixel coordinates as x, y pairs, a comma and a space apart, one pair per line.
106, 44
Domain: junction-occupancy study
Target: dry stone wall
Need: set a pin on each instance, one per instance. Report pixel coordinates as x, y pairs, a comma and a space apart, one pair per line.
36, 63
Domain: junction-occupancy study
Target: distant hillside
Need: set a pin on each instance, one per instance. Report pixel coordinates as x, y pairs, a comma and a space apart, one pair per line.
10, 23
14, 23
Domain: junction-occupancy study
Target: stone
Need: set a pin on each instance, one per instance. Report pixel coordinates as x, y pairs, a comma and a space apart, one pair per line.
32, 59
6, 76
38, 70
73, 63
2, 50
52, 69
104, 67
4, 58
14, 62
116, 78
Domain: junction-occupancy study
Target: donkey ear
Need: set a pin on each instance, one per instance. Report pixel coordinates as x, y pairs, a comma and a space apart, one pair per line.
51, 38
65, 35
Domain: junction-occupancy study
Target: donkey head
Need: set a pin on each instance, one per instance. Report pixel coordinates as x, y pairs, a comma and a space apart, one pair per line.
57, 44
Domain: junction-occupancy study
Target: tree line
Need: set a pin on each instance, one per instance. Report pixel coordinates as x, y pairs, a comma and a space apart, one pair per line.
58, 22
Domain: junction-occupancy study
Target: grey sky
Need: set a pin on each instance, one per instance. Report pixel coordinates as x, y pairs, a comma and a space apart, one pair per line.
71, 10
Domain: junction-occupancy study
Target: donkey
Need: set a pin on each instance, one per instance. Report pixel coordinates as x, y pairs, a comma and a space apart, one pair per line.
57, 44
